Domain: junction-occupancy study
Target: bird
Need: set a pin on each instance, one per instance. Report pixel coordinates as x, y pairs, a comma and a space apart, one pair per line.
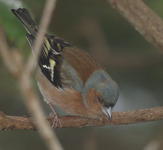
69, 78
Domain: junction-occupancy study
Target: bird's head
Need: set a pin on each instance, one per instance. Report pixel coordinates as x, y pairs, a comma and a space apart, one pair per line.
106, 91
107, 95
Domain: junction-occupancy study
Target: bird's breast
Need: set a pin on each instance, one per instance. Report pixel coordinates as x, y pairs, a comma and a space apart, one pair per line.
67, 99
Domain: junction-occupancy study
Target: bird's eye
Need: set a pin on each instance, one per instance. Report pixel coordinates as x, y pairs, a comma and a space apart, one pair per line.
100, 99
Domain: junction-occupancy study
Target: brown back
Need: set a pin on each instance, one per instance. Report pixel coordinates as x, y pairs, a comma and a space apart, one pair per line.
82, 62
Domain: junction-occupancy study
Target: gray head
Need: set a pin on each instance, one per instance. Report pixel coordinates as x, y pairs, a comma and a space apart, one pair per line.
108, 93
107, 90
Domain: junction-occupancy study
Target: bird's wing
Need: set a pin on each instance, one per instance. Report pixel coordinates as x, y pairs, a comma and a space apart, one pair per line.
50, 58
76, 65
61, 63
83, 63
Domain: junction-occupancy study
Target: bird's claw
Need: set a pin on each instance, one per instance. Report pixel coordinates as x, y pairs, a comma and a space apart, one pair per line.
56, 121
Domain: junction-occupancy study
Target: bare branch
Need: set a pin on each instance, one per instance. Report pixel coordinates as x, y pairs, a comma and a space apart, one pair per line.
47, 14
100, 49
118, 118
35, 109
143, 19
23, 73
30, 97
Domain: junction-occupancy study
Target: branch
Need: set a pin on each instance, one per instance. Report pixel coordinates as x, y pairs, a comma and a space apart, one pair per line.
100, 49
118, 118
23, 74
143, 19
31, 99
46, 17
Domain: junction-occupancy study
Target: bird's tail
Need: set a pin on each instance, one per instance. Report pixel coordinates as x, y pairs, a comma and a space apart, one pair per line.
23, 15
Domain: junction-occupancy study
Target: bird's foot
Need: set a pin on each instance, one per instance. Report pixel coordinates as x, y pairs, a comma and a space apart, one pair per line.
56, 120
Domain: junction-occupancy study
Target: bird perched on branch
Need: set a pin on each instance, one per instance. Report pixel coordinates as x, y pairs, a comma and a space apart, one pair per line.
70, 78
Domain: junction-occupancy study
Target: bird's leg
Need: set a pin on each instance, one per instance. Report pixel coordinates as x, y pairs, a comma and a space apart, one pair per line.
56, 121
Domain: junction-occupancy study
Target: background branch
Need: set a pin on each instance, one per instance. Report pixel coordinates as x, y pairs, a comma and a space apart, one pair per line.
31, 99
118, 118
99, 47
23, 74
143, 19
47, 14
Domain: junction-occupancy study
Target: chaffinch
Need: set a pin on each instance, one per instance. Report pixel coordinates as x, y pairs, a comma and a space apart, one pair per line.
69, 78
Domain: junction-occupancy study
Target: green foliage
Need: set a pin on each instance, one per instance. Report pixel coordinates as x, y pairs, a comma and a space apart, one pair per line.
14, 32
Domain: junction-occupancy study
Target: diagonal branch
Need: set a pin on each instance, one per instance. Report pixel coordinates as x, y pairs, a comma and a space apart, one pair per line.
47, 14
118, 118
23, 74
142, 18
31, 99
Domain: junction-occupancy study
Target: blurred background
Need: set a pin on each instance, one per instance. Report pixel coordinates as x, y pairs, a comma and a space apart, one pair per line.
132, 62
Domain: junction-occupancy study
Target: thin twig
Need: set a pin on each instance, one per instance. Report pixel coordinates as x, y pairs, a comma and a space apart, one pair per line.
142, 18
47, 14
30, 98
100, 49
118, 118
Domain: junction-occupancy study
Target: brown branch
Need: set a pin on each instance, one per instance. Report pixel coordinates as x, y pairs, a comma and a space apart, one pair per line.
100, 49
118, 118
143, 19
31, 99
23, 74
46, 18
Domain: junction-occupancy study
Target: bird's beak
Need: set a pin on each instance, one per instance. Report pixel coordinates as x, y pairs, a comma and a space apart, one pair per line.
107, 111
